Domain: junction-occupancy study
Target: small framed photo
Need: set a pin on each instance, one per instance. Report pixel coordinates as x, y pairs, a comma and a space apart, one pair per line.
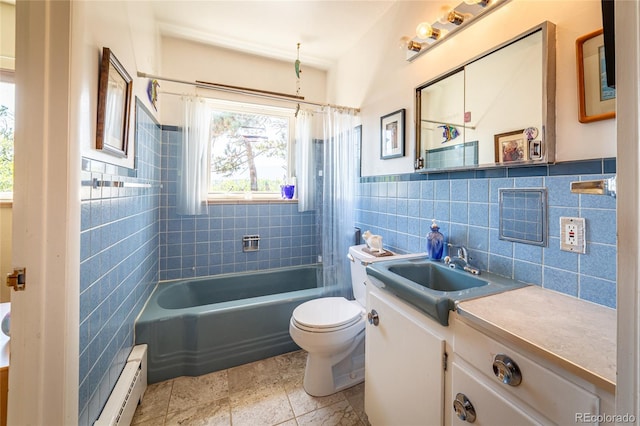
511, 147
597, 101
392, 135
114, 105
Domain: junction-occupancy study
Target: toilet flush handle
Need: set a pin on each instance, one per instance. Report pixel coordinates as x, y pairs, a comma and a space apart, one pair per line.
362, 262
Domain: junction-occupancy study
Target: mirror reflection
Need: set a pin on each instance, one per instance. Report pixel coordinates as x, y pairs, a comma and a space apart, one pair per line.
497, 109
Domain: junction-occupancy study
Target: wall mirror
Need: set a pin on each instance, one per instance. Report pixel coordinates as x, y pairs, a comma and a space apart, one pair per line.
497, 109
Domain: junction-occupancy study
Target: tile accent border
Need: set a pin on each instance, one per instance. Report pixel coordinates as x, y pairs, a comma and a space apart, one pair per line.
581, 167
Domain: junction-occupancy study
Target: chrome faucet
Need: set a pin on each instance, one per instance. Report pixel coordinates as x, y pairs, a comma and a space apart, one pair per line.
461, 260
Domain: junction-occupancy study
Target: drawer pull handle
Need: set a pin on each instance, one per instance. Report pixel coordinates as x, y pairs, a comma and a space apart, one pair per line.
464, 408
506, 370
373, 317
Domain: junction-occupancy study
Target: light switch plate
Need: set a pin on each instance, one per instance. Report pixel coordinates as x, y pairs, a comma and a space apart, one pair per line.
572, 234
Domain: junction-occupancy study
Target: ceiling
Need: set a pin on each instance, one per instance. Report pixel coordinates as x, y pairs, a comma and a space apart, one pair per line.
325, 28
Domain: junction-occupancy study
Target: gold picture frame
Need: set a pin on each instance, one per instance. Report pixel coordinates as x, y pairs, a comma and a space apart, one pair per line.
511, 147
114, 106
596, 100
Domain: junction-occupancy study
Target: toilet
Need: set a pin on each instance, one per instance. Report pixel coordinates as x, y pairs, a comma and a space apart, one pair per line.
331, 330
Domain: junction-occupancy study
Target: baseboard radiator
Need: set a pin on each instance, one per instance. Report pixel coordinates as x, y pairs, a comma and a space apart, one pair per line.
128, 391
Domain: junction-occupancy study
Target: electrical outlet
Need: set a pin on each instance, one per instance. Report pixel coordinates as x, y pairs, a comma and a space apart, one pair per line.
572, 234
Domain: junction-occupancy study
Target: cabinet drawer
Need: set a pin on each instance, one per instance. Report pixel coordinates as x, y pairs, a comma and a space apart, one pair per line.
489, 407
542, 389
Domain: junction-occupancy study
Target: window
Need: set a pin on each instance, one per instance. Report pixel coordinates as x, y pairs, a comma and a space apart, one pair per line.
250, 151
7, 122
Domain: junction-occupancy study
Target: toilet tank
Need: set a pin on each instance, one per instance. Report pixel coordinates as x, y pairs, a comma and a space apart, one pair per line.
359, 265
358, 272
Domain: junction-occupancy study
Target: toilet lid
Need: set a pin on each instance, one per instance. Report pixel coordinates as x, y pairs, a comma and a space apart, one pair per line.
327, 312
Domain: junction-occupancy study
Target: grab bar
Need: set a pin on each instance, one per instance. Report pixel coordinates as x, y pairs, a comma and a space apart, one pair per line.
595, 187
96, 183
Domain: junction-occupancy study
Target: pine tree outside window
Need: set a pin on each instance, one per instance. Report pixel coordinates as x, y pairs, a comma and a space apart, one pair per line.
250, 152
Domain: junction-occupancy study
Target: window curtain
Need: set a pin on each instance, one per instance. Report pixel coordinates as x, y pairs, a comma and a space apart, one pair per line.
338, 198
305, 162
192, 164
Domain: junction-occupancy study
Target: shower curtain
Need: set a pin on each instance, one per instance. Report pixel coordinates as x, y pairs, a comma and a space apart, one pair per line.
192, 165
305, 161
337, 209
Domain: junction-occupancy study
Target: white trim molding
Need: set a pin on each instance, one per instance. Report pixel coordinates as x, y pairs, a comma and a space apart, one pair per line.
627, 36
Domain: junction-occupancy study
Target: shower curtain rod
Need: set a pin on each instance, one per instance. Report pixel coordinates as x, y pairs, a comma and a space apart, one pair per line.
245, 91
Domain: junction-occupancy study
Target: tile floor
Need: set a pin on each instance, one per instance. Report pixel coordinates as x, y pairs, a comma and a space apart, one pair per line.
267, 392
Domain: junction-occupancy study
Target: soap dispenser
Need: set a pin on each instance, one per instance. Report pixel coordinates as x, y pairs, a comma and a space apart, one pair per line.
435, 242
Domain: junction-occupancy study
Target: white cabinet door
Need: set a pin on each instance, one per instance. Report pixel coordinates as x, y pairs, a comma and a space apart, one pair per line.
489, 407
404, 374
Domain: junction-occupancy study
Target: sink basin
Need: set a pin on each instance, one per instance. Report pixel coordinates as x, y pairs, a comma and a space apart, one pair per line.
433, 287
436, 276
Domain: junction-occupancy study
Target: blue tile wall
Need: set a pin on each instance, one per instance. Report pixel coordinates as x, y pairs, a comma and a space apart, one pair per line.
211, 244
119, 263
465, 205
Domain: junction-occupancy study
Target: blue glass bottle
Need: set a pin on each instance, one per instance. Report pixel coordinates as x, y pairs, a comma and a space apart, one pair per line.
435, 242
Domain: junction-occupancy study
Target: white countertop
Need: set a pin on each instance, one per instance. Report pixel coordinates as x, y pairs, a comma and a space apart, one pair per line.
578, 336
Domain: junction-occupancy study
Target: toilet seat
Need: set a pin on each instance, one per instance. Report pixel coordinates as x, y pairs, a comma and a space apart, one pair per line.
327, 314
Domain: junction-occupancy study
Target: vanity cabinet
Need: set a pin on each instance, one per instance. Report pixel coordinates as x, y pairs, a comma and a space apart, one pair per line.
499, 384
404, 374
418, 372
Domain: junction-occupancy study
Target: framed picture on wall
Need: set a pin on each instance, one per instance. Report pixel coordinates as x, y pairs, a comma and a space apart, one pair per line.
597, 100
114, 105
392, 135
511, 147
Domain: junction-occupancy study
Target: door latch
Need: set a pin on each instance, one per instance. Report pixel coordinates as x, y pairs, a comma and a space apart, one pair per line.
17, 280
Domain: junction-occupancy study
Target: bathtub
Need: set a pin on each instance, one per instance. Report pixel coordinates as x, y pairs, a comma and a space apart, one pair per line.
197, 326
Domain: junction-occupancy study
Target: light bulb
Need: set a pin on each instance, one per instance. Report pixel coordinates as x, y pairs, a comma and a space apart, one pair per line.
424, 30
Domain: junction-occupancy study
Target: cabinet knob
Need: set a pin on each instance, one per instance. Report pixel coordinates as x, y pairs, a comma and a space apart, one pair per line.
506, 370
464, 408
373, 317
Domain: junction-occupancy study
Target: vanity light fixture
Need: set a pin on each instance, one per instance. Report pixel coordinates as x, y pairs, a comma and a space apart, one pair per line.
430, 34
452, 17
414, 46
481, 3
408, 44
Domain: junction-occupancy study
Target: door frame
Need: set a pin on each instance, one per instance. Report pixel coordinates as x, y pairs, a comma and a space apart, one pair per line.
43, 374
628, 184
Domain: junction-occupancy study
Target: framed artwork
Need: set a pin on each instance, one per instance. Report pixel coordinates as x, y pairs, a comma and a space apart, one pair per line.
114, 106
596, 100
392, 135
511, 147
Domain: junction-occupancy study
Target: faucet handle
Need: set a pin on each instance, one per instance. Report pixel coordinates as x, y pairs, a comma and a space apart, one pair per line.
462, 250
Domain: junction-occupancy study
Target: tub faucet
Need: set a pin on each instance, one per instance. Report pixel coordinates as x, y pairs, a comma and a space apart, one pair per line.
461, 260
